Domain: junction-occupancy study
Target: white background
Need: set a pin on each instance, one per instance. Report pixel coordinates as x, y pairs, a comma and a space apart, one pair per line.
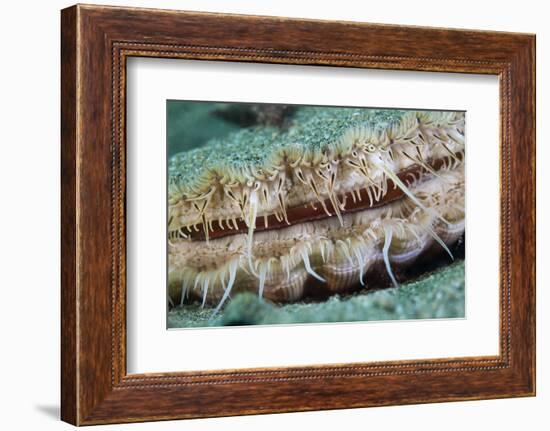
151, 348
29, 228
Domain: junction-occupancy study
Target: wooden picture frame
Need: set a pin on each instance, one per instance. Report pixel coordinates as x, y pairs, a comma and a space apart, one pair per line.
96, 41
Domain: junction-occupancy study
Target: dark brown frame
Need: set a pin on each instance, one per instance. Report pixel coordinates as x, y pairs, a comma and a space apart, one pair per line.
95, 43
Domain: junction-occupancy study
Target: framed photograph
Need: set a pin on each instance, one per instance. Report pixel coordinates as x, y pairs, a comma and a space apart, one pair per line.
265, 214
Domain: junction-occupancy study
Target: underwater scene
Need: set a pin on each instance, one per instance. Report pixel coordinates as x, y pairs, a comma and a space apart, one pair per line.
289, 214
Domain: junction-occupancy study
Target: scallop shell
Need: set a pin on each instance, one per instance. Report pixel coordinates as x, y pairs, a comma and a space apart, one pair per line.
336, 253
340, 258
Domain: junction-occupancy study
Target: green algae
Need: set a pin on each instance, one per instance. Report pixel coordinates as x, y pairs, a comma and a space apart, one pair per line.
437, 294
191, 124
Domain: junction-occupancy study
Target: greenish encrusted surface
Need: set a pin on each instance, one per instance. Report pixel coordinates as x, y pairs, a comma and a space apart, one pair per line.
311, 129
247, 147
314, 127
438, 294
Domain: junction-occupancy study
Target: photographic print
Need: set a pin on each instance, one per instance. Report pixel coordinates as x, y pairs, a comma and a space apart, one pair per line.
291, 214
317, 240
